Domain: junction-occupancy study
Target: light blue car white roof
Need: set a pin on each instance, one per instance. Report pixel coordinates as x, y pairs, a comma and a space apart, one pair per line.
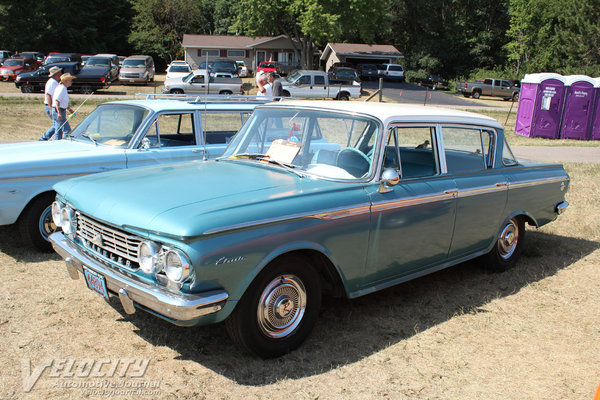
168, 105
393, 112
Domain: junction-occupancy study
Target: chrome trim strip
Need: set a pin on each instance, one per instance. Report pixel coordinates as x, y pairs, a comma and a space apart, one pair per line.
50, 176
330, 214
411, 201
170, 305
481, 190
535, 182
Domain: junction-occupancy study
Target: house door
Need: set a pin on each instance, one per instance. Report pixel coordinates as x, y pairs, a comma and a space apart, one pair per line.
260, 56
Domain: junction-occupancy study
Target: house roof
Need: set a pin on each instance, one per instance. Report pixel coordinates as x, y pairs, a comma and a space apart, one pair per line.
226, 41
362, 50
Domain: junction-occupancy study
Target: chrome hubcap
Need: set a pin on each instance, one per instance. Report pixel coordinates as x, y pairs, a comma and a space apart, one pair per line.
508, 240
281, 307
46, 224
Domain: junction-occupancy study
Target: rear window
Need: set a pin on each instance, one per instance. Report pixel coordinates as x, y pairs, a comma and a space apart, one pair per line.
267, 65
395, 68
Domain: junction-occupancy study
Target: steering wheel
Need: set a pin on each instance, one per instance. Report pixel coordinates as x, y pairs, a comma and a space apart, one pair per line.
354, 161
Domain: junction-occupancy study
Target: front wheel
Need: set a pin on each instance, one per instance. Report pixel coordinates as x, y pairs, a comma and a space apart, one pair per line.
279, 309
508, 246
27, 88
36, 223
227, 92
286, 93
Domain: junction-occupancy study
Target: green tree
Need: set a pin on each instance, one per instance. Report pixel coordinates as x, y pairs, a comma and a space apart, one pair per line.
158, 26
310, 21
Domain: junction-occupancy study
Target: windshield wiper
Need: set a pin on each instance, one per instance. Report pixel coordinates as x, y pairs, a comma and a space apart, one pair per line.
250, 156
85, 135
286, 166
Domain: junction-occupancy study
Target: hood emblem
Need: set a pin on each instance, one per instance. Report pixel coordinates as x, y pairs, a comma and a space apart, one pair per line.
97, 240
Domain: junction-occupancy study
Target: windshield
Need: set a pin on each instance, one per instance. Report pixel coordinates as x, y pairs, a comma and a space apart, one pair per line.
323, 144
134, 63
225, 66
291, 78
111, 125
13, 63
51, 60
179, 68
98, 62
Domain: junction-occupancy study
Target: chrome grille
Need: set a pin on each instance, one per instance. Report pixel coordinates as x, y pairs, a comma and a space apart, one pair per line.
108, 242
130, 75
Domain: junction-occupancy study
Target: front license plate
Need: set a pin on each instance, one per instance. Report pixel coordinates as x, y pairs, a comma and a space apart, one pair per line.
96, 282
131, 80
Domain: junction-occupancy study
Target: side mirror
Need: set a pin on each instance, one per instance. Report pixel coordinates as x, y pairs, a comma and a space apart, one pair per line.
389, 178
145, 144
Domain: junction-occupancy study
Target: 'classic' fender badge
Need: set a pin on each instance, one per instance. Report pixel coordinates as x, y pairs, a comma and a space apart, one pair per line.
225, 260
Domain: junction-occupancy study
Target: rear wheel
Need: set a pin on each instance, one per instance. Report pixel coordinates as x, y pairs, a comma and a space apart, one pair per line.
279, 309
343, 96
508, 246
286, 93
476, 95
176, 91
87, 89
225, 92
36, 222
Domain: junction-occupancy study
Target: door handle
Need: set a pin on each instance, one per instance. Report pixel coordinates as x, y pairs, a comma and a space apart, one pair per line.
501, 184
453, 192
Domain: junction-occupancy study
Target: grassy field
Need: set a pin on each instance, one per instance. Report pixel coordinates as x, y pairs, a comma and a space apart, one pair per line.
529, 333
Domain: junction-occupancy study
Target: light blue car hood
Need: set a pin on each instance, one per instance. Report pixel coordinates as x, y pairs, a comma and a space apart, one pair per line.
195, 198
48, 158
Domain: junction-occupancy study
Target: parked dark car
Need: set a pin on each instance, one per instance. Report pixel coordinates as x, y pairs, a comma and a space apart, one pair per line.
36, 55
433, 82
367, 71
61, 57
225, 65
102, 65
341, 64
343, 74
35, 81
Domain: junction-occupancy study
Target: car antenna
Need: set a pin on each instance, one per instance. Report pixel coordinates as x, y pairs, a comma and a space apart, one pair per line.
75, 112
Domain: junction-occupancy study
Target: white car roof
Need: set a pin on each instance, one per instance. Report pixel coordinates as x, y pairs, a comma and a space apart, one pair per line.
393, 112
168, 105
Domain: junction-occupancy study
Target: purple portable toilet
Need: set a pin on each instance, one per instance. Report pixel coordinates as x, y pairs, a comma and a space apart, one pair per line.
579, 107
540, 105
595, 128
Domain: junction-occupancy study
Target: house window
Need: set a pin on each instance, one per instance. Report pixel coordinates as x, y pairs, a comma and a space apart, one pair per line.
210, 53
236, 53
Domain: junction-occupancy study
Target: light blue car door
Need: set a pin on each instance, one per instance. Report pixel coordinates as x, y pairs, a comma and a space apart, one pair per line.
172, 137
412, 222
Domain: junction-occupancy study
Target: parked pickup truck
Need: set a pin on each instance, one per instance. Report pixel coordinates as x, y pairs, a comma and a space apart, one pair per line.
489, 87
316, 84
199, 82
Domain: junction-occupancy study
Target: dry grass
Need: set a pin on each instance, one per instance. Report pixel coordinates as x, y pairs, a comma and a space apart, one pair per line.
530, 333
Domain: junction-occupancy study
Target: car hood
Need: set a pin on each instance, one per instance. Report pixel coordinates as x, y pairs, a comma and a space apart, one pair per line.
195, 198
65, 157
12, 67
177, 80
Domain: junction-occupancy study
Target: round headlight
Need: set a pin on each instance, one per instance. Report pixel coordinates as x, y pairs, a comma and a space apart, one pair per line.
68, 220
177, 267
57, 208
147, 256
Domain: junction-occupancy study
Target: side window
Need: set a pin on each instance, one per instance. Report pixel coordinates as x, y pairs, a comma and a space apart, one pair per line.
304, 80
410, 151
467, 149
319, 80
170, 130
219, 128
198, 79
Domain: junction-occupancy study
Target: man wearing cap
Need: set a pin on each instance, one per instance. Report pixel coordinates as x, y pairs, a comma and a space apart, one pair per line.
55, 73
60, 104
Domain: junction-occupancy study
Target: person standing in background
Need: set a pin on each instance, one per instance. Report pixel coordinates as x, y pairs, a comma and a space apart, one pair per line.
60, 104
55, 73
276, 87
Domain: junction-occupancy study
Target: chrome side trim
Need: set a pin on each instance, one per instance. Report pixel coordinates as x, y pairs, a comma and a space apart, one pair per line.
482, 190
329, 214
59, 176
411, 201
535, 182
170, 305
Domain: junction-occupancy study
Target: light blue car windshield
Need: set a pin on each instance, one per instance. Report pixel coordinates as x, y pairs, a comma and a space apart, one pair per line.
320, 143
111, 125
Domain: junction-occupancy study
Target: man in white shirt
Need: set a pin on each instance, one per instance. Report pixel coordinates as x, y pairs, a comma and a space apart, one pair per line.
60, 104
55, 73
264, 87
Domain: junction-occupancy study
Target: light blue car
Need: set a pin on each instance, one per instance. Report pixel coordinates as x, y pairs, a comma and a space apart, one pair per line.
116, 135
343, 198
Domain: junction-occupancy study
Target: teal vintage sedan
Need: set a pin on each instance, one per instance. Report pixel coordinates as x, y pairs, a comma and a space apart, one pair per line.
343, 198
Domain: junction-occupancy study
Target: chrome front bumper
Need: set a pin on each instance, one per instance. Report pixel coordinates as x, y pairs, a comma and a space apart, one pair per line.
561, 207
174, 307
